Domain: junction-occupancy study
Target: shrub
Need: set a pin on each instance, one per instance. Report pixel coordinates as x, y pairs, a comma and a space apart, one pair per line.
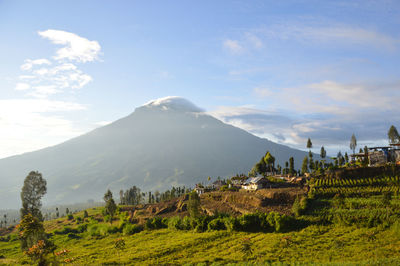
231, 224
85, 214
82, 228
155, 223
70, 217
66, 230
250, 222
107, 218
217, 224
175, 223
130, 229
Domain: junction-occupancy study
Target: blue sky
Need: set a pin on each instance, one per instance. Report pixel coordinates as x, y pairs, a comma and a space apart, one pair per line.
284, 70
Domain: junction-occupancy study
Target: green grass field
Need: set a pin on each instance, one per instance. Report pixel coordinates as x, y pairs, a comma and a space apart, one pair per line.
314, 244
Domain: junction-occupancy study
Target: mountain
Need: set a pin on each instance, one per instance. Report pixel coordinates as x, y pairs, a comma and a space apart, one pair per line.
166, 142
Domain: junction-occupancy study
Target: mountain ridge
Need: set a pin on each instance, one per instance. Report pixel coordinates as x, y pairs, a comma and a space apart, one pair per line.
153, 148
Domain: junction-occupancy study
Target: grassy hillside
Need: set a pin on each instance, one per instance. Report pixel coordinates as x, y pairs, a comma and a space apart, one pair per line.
340, 221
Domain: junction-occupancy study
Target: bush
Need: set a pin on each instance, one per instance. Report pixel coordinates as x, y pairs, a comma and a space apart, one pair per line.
107, 218
93, 230
156, 223
82, 228
217, 224
251, 222
175, 223
231, 224
66, 230
70, 217
130, 229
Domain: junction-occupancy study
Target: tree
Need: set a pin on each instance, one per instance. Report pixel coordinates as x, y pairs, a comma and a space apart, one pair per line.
366, 159
32, 192
353, 143
304, 166
346, 157
110, 207
291, 166
194, 204
33, 239
258, 168
393, 135
340, 158
323, 152
309, 144
269, 161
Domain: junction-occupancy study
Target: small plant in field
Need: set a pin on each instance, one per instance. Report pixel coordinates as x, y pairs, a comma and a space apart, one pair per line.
63, 255
246, 247
119, 245
286, 241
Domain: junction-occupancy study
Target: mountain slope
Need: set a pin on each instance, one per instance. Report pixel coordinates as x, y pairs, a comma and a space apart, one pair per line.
163, 143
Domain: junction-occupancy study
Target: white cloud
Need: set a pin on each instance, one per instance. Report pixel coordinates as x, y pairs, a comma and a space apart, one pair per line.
36, 122
43, 91
254, 40
30, 63
328, 112
76, 48
233, 46
22, 87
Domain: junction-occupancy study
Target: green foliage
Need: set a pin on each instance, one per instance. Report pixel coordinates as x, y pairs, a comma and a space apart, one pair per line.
156, 223
70, 217
309, 144
130, 229
85, 214
353, 143
304, 166
291, 166
393, 135
110, 207
32, 192
194, 204
30, 231
217, 224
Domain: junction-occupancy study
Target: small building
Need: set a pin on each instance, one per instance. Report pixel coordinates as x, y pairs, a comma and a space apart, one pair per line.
255, 183
199, 190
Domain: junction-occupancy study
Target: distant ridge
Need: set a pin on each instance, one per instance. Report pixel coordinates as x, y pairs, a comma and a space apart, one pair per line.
166, 142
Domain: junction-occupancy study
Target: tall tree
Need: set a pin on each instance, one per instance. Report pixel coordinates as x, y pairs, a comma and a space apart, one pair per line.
340, 158
353, 143
393, 135
304, 166
346, 157
323, 152
110, 207
194, 204
291, 166
32, 192
309, 144
269, 161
